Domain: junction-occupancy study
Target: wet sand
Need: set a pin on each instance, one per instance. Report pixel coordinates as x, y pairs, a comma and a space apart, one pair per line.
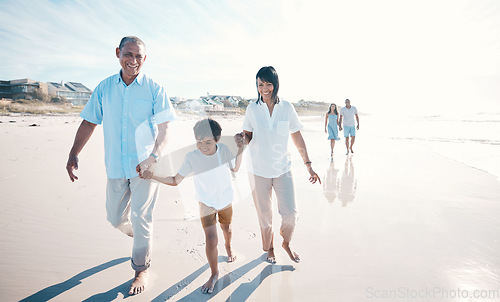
393, 220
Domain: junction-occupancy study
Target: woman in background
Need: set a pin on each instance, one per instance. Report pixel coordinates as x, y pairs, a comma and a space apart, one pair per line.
331, 123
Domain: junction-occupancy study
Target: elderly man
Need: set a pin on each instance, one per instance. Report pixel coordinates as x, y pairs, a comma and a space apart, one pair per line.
347, 115
135, 113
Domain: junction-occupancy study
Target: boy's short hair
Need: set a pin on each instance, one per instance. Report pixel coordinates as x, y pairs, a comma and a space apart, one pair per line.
207, 128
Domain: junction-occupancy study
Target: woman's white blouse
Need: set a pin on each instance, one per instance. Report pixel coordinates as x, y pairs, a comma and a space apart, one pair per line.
268, 150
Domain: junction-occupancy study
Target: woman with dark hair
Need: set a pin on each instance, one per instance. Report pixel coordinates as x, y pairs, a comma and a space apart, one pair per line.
331, 123
268, 124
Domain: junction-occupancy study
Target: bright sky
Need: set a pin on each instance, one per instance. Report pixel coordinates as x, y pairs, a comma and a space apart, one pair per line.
388, 55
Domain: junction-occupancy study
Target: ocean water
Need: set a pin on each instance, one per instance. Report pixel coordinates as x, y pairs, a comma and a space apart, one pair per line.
472, 139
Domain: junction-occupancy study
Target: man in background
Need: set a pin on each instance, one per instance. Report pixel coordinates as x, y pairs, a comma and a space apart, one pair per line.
346, 122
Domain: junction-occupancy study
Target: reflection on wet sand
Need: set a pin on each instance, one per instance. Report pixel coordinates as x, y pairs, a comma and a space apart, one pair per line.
344, 187
348, 183
331, 183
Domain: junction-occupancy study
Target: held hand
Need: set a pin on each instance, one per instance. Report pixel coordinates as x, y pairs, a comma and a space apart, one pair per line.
143, 171
71, 165
314, 177
144, 167
138, 169
239, 139
146, 174
340, 128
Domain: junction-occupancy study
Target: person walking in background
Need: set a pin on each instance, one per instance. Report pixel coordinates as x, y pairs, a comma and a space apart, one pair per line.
331, 125
347, 115
268, 124
135, 112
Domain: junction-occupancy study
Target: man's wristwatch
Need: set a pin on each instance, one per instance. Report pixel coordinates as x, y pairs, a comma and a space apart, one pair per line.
154, 156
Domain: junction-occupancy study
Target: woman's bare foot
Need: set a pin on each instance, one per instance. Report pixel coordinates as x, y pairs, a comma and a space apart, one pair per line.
139, 283
294, 256
231, 257
270, 256
208, 287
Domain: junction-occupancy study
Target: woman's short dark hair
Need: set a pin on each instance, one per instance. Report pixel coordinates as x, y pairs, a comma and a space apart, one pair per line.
268, 74
207, 128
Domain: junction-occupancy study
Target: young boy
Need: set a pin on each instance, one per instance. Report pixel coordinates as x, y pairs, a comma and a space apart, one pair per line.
210, 166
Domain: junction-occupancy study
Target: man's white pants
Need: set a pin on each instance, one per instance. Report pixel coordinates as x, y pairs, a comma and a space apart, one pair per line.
129, 207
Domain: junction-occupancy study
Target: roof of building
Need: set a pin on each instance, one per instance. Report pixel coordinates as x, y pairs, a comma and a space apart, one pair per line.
70, 86
77, 86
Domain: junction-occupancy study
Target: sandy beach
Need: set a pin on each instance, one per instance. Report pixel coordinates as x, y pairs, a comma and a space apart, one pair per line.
395, 221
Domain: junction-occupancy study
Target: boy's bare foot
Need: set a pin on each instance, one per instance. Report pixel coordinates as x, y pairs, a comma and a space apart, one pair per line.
139, 283
270, 256
208, 287
294, 256
352, 151
231, 257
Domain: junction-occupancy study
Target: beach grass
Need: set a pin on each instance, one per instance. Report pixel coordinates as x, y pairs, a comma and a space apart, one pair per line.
37, 107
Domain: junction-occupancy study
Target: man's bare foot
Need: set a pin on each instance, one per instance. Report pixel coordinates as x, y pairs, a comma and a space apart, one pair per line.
231, 257
139, 283
352, 151
294, 256
208, 287
270, 256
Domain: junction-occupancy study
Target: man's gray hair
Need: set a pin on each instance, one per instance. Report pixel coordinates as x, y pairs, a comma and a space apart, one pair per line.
133, 39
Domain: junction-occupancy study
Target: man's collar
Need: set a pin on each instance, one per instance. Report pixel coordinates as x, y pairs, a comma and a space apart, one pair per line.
139, 78
118, 77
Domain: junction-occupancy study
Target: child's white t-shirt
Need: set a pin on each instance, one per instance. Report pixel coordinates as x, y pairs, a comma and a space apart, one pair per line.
211, 176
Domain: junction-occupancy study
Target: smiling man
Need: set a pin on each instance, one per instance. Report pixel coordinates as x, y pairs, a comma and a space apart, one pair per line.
135, 112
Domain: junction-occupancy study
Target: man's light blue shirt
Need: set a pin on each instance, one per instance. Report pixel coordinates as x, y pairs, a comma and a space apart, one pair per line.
130, 116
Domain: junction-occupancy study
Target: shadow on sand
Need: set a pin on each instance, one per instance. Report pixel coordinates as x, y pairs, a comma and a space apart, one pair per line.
53, 291
240, 294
